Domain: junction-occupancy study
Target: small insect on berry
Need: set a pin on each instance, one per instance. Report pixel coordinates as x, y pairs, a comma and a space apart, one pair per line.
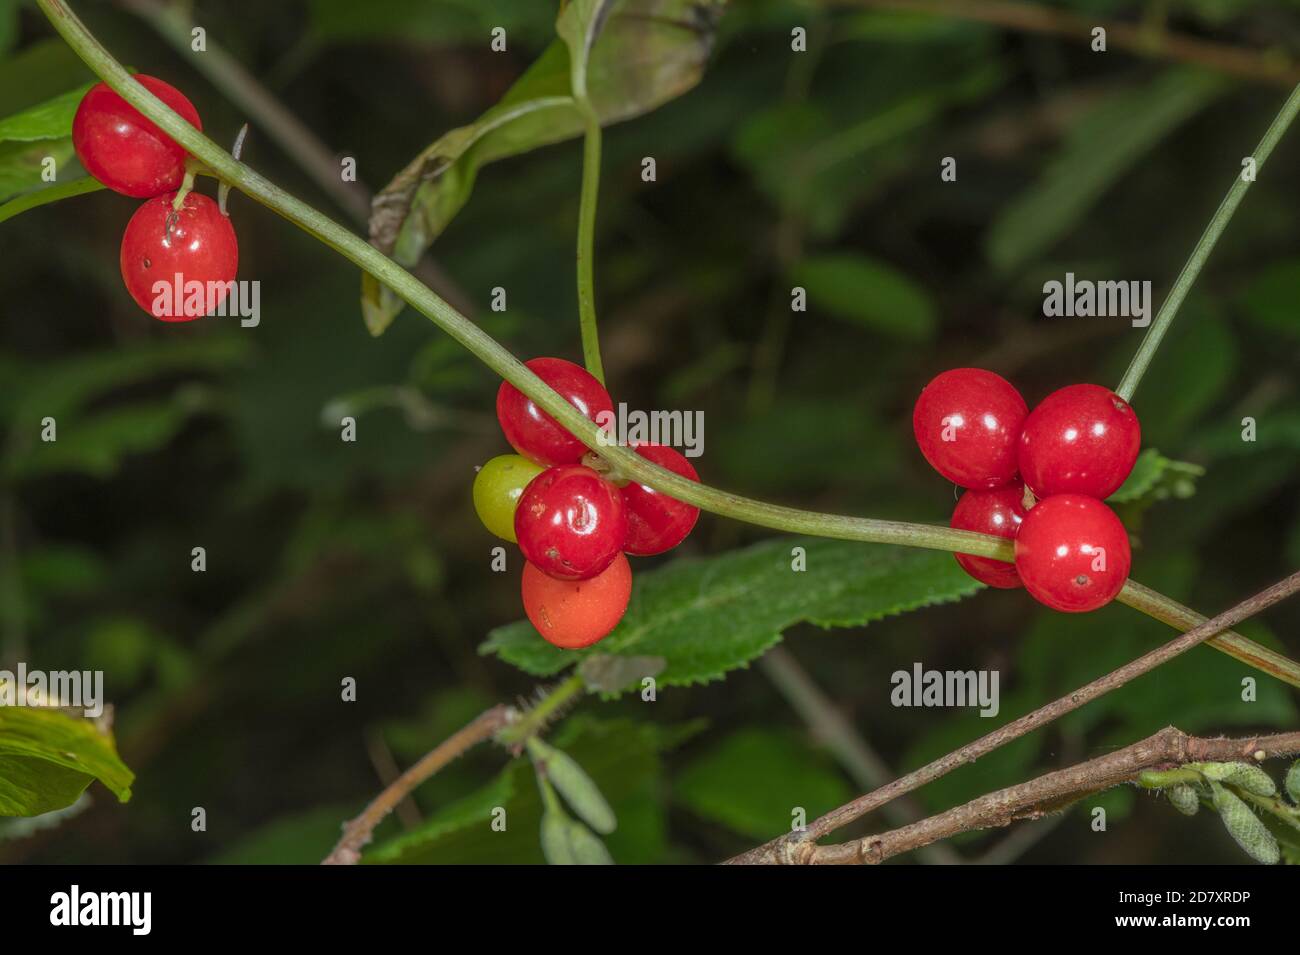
967, 424
122, 148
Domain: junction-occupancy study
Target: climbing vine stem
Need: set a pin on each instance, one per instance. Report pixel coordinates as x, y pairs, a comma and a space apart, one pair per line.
1205, 245
356, 250
587, 240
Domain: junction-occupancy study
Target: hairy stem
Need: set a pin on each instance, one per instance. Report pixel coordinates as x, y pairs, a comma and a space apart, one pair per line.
491, 353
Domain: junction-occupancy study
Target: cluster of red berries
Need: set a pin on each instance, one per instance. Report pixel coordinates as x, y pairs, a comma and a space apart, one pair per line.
573, 522
176, 244
1074, 449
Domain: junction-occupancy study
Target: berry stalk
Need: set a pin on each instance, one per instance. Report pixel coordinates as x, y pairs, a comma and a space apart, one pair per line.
491, 353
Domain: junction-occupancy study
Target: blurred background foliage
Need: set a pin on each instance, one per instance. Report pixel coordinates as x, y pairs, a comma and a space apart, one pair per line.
328, 559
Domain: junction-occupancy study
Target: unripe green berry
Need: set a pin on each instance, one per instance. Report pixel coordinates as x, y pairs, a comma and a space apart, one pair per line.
497, 488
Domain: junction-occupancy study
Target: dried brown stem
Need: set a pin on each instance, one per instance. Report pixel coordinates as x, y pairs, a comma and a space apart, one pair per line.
1054, 791
358, 832
800, 846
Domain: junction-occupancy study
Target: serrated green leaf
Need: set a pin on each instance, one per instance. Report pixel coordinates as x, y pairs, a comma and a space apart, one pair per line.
867, 293
706, 617
1244, 826
1155, 477
645, 53
47, 758
753, 781
1099, 149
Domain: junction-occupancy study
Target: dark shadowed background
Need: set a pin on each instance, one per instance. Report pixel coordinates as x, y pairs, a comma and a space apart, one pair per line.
821, 169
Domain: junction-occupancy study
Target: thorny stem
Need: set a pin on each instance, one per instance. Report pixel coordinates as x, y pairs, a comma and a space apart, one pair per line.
501, 361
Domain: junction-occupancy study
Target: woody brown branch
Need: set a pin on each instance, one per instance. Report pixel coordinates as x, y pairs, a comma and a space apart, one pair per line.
1050, 793
798, 846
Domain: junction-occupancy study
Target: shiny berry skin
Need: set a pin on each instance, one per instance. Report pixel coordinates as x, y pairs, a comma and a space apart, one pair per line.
998, 512
497, 488
572, 614
123, 149
1082, 439
655, 521
1072, 553
534, 433
967, 424
200, 247
570, 522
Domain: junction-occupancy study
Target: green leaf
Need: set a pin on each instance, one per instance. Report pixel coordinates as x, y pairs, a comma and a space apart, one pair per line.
868, 293
646, 52
621, 756
755, 779
1099, 149
577, 788
1292, 782
1155, 477
708, 616
565, 841
51, 119
23, 163
97, 444
47, 758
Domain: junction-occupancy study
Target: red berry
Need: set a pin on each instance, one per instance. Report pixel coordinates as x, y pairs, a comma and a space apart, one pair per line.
570, 522
998, 512
576, 613
1082, 439
196, 243
967, 422
1072, 553
123, 149
655, 521
534, 433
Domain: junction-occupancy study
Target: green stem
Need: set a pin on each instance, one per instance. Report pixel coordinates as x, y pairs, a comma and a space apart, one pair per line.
534, 721
64, 190
1165, 317
587, 241
1182, 618
492, 354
